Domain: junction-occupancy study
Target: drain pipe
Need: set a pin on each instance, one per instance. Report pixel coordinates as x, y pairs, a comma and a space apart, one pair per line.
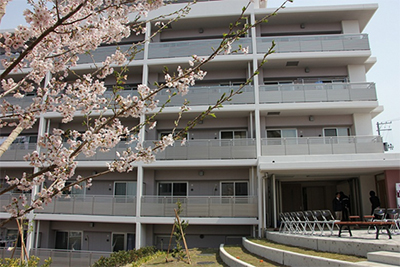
264, 199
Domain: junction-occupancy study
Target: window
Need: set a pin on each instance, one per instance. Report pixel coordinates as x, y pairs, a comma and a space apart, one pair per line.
123, 241
69, 240
233, 134
331, 135
162, 134
336, 132
75, 191
277, 134
125, 188
234, 189
172, 189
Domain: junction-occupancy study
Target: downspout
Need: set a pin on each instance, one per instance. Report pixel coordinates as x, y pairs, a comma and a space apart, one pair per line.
264, 196
274, 199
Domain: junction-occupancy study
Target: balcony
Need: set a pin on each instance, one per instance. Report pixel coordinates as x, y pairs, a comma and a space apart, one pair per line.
316, 43
6, 198
200, 206
317, 92
102, 52
189, 48
208, 149
209, 95
16, 152
321, 145
92, 205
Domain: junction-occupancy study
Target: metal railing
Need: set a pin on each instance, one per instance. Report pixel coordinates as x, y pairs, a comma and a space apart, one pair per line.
314, 43
92, 205
69, 258
189, 48
208, 149
200, 206
317, 92
321, 145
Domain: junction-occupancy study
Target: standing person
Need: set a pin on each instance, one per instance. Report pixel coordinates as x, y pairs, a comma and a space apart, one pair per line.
337, 207
345, 206
375, 203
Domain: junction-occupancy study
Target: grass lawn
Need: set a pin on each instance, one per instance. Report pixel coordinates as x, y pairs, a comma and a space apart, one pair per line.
200, 257
330, 255
244, 255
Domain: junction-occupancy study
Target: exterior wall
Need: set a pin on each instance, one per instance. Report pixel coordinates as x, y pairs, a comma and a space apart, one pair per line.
367, 183
392, 177
350, 26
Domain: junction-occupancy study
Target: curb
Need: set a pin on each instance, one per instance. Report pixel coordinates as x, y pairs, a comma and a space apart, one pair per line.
291, 258
230, 260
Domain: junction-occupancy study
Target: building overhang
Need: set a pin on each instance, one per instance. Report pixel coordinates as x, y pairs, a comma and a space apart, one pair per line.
329, 165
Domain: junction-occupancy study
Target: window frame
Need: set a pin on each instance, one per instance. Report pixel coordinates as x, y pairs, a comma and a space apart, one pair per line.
234, 188
172, 188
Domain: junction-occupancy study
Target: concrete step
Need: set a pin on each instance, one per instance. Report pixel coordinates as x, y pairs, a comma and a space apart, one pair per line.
386, 257
372, 264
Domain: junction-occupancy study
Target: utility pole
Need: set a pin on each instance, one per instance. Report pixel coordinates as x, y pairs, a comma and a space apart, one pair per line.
384, 126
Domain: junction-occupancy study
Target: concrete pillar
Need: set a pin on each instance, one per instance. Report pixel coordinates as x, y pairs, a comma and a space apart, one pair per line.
350, 26
356, 73
362, 124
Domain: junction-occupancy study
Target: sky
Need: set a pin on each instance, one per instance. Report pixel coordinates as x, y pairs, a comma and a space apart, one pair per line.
384, 36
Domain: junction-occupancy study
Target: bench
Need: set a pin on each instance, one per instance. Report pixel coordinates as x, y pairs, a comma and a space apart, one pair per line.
379, 225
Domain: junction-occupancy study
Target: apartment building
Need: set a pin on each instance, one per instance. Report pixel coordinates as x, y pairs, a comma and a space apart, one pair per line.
300, 132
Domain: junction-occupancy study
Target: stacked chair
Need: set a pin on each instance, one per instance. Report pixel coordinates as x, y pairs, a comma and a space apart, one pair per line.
307, 222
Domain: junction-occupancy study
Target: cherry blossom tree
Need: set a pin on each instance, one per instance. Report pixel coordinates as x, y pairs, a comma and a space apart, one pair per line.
47, 51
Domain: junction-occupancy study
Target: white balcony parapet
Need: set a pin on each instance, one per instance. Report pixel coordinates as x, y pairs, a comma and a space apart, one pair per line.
208, 149
317, 92
92, 205
321, 145
200, 206
189, 48
314, 43
208, 95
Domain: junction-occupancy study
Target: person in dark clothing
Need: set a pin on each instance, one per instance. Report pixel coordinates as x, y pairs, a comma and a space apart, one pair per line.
337, 207
375, 203
345, 206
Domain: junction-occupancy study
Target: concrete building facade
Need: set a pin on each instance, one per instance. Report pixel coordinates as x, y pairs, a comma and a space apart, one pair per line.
300, 132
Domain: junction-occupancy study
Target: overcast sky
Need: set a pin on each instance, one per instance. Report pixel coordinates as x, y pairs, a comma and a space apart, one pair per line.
384, 37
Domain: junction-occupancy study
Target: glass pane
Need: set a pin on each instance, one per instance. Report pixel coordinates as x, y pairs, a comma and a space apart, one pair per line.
131, 189
227, 135
118, 242
180, 189
61, 240
330, 132
241, 189
343, 131
289, 133
240, 134
273, 133
227, 189
120, 189
75, 240
164, 189
130, 241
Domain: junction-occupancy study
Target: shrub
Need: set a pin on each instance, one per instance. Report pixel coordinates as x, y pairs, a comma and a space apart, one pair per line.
16, 262
121, 258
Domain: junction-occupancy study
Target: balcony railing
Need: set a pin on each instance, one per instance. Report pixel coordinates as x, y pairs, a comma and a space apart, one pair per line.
208, 149
18, 151
317, 92
5, 199
102, 52
322, 145
315, 43
209, 95
92, 205
189, 48
66, 258
200, 206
